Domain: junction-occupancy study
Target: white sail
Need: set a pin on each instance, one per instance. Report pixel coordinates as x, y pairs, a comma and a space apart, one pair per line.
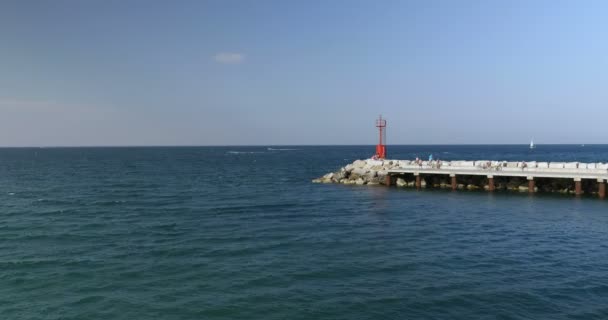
531, 144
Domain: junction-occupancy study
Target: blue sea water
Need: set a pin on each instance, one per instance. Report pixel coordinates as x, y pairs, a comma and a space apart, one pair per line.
242, 233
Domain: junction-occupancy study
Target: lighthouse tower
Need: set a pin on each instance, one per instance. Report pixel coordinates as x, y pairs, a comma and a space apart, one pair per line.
381, 146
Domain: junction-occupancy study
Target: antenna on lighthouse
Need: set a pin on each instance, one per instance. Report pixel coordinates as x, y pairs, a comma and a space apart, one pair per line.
381, 146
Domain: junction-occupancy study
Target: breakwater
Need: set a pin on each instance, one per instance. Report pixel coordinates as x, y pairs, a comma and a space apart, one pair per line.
561, 177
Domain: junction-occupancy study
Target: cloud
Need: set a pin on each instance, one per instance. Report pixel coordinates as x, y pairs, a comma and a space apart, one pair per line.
229, 57
31, 105
47, 106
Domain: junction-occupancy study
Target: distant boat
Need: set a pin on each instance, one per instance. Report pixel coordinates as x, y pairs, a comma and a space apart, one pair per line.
532, 144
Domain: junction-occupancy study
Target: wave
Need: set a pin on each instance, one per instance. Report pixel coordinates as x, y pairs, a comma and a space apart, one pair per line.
281, 149
244, 152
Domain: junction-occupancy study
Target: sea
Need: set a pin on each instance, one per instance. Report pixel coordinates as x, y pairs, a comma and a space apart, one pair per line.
242, 233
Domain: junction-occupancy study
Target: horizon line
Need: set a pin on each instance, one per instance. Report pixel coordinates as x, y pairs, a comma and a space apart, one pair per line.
293, 145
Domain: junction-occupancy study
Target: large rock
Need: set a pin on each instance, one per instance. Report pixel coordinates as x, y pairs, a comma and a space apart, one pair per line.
359, 171
400, 182
359, 164
360, 181
373, 163
375, 181
371, 174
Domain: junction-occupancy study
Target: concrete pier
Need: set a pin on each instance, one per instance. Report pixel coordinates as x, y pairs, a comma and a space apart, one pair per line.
563, 177
491, 169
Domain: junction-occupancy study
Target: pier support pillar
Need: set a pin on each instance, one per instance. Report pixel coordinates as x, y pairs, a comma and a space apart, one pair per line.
418, 181
531, 184
388, 180
453, 178
601, 188
578, 188
491, 183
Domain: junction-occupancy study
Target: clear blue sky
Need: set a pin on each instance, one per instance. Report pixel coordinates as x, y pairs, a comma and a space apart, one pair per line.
302, 72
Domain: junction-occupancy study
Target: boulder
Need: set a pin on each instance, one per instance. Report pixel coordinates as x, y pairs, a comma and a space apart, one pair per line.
381, 174
400, 182
371, 174
372, 163
340, 175
523, 189
374, 181
360, 182
359, 171
359, 163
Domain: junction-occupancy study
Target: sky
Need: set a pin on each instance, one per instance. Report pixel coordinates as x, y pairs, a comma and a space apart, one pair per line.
114, 73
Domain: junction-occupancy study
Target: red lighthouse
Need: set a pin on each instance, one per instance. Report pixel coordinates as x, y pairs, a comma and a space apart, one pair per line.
381, 147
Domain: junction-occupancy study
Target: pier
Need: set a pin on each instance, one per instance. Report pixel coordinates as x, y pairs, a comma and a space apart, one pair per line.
575, 171
562, 177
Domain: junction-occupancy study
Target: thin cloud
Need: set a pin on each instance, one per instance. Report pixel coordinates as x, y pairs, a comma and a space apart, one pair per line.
12, 104
229, 58
31, 105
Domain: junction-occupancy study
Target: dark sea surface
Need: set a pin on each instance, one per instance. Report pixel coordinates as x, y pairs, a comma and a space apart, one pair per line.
242, 233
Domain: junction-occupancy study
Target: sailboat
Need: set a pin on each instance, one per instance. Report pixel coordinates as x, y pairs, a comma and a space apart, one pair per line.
532, 144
